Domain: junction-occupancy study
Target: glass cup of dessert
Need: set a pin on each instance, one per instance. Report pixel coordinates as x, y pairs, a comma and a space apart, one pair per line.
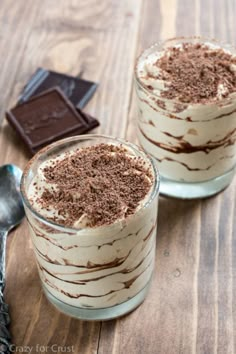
186, 92
91, 205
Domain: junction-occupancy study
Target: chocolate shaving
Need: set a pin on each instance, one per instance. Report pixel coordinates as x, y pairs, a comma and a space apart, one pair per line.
102, 182
195, 71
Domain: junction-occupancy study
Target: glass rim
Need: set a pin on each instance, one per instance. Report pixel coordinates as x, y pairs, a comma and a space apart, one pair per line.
181, 39
49, 149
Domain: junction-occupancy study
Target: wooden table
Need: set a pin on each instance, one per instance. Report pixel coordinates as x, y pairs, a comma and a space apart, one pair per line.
191, 307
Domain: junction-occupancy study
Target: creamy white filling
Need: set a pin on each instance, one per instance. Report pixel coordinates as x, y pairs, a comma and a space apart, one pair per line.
97, 267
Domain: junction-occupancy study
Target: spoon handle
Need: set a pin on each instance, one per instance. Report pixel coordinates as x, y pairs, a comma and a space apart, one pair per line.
5, 337
3, 240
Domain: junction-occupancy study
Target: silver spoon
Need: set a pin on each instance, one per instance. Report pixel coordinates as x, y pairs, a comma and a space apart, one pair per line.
11, 214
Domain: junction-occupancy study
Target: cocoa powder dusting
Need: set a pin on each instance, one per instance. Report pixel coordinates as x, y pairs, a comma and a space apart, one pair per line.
195, 72
102, 183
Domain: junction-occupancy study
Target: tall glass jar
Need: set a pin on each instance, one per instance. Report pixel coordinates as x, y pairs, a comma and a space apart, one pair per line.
194, 143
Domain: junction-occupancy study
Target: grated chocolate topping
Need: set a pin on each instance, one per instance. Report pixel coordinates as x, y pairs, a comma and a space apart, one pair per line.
196, 72
102, 182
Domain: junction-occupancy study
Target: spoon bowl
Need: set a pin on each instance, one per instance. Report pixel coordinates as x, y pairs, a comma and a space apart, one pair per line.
11, 207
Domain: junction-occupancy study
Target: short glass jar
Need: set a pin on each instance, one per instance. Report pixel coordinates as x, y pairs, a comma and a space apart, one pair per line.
94, 273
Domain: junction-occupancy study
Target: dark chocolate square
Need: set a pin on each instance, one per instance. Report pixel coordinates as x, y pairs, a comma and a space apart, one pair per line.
48, 117
78, 90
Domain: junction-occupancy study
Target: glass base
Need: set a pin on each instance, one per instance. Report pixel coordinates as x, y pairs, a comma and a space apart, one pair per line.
186, 190
102, 314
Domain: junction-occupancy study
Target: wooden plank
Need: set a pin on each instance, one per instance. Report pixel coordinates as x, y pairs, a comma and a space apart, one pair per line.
190, 308
16, 21
232, 273
14, 34
98, 38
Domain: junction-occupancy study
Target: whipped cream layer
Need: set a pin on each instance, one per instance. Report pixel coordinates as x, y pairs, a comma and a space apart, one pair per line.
94, 267
193, 142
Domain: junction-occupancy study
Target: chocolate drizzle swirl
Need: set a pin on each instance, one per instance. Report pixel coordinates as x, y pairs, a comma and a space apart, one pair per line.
127, 284
130, 273
185, 165
84, 281
89, 265
186, 148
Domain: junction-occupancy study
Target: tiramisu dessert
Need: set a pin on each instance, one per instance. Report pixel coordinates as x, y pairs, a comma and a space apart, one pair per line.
92, 212
187, 114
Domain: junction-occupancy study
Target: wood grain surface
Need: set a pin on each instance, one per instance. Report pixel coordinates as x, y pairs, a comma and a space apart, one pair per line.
191, 307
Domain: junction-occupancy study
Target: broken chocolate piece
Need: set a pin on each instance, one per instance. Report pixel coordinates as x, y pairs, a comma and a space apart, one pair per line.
48, 117
79, 91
